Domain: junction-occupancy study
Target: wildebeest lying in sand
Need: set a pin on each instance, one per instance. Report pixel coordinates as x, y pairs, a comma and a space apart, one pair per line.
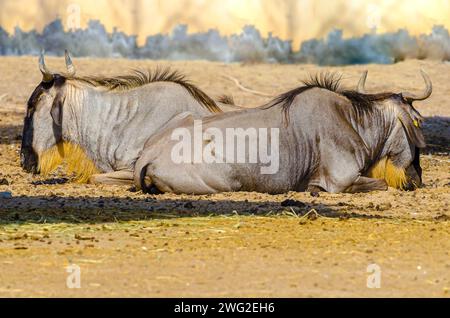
98, 125
328, 139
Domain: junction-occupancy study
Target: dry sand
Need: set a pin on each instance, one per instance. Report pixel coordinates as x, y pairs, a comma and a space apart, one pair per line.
242, 244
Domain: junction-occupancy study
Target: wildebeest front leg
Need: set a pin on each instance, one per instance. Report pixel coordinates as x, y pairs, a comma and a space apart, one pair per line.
364, 184
113, 178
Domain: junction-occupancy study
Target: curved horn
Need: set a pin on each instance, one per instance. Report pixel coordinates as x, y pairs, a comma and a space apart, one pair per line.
427, 92
69, 64
362, 83
47, 76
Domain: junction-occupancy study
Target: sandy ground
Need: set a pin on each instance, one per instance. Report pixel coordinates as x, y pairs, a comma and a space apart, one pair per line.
242, 244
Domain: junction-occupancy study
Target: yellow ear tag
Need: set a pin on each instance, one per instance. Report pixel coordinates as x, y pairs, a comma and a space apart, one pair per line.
416, 123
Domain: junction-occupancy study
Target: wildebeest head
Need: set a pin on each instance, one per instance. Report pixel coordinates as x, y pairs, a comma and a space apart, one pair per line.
42, 124
400, 164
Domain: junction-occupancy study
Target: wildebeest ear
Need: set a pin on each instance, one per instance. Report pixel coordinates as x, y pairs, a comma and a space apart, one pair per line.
414, 132
57, 110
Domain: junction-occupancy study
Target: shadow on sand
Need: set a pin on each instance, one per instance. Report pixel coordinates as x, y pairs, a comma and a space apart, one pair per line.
93, 210
10, 134
437, 135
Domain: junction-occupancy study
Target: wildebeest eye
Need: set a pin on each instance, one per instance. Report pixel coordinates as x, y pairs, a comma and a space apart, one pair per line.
402, 99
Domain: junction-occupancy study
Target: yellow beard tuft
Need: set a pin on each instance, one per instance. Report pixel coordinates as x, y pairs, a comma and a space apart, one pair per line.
384, 169
77, 162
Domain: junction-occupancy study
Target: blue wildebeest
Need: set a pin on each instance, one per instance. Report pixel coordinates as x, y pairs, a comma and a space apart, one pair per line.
326, 139
98, 125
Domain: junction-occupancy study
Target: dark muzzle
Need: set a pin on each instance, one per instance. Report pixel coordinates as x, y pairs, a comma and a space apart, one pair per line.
28, 157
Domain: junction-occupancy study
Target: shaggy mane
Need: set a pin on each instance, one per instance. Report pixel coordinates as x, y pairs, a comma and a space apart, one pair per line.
332, 82
140, 78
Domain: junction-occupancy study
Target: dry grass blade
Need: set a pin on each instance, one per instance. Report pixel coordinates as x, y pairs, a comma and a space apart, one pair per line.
312, 215
245, 89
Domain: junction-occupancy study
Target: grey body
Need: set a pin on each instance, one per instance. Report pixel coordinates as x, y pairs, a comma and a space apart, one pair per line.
112, 127
328, 144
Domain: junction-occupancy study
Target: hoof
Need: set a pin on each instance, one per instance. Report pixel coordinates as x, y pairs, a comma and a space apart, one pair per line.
152, 190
